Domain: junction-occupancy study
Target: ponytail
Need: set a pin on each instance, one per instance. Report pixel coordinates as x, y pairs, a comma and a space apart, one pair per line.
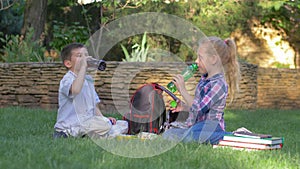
232, 68
226, 49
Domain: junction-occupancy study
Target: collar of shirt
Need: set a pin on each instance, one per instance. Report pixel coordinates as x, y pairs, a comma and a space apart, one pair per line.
72, 73
214, 77
87, 77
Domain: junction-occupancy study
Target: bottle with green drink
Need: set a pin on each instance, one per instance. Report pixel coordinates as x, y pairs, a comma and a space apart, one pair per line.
187, 73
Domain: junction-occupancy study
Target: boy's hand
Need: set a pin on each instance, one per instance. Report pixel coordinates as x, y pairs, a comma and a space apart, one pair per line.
81, 63
79, 69
112, 120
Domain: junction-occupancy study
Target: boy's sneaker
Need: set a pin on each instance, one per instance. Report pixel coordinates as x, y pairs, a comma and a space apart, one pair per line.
59, 134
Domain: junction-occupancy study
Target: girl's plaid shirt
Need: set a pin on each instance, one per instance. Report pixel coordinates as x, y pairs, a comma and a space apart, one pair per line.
210, 100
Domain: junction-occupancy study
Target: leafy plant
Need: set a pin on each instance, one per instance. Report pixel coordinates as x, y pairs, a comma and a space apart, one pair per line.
65, 34
19, 48
139, 52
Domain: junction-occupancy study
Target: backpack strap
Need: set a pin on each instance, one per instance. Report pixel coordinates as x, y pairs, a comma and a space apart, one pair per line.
157, 86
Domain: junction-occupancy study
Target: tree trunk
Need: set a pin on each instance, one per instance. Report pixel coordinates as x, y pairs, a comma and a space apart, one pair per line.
35, 17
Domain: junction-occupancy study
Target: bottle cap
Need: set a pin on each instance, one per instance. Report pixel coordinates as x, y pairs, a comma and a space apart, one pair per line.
194, 66
102, 65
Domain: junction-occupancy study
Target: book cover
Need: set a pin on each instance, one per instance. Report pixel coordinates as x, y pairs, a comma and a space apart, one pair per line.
242, 148
270, 141
249, 145
235, 148
252, 135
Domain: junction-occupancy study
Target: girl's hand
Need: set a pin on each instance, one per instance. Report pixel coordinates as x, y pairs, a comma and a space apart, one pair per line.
178, 80
181, 106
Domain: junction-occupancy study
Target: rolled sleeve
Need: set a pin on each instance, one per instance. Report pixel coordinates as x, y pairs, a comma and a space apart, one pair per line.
65, 86
97, 99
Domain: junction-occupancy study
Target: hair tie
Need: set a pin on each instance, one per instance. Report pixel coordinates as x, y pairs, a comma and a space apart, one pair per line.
226, 41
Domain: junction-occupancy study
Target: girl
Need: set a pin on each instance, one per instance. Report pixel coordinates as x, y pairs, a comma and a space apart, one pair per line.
216, 58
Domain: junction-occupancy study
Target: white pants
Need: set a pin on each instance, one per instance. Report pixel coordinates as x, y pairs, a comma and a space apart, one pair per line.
121, 127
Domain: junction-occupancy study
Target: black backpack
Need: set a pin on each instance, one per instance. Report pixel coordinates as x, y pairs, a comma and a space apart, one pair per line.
147, 109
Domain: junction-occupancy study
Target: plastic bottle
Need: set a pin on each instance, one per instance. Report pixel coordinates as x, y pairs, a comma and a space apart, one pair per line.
187, 73
94, 64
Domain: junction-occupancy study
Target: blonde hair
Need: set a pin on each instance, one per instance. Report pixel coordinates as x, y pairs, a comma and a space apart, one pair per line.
226, 49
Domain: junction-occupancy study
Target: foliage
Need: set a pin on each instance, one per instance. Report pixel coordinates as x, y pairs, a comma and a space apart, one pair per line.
280, 65
26, 142
283, 15
217, 18
220, 18
11, 19
139, 51
64, 34
76, 22
22, 48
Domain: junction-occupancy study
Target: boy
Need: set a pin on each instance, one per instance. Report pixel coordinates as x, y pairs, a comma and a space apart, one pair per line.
78, 114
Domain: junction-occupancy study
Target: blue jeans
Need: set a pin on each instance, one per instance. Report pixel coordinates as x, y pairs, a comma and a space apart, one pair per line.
202, 132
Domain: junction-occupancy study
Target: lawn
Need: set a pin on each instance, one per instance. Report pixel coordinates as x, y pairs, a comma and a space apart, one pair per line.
26, 142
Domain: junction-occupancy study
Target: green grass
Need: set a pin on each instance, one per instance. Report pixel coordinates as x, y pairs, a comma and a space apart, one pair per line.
26, 142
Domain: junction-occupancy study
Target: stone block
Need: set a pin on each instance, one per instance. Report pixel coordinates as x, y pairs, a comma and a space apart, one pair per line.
26, 99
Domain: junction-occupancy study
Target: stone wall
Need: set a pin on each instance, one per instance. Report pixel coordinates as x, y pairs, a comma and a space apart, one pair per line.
30, 84
36, 84
278, 88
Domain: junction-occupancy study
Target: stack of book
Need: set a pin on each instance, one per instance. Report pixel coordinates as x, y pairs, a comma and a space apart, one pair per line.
251, 141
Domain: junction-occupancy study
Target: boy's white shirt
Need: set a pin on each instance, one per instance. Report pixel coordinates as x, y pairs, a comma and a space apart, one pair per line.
83, 104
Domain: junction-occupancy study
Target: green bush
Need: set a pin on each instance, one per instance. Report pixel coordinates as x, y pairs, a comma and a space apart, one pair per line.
19, 48
64, 34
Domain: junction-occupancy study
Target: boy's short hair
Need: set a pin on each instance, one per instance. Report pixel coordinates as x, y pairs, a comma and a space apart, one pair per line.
66, 52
